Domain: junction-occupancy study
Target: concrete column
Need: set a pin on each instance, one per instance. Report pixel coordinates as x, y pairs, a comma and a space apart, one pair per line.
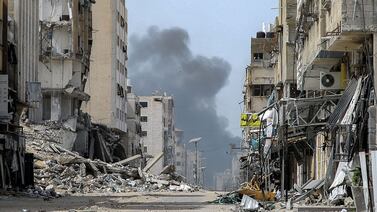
56, 101
373, 150
283, 153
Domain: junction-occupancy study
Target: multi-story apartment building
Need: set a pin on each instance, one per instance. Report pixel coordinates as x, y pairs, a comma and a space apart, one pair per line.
324, 97
180, 153
223, 181
107, 81
259, 82
258, 86
65, 48
158, 129
192, 168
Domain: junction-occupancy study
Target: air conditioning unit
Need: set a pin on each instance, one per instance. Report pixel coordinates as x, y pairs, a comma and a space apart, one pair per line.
329, 80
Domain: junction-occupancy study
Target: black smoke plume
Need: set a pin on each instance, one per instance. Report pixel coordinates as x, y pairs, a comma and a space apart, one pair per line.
162, 60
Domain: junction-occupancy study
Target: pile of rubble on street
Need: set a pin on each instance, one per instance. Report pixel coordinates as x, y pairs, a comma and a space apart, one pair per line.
59, 171
251, 197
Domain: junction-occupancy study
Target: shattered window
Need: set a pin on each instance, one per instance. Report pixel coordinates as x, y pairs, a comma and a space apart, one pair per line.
144, 119
117, 113
144, 133
144, 104
262, 90
258, 56
257, 90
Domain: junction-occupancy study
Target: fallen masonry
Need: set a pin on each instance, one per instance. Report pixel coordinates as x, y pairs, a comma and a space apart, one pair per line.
249, 197
58, 171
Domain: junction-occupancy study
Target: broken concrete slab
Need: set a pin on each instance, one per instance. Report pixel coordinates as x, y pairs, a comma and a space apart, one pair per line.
153, 162
67, 171
168, 169
128, 160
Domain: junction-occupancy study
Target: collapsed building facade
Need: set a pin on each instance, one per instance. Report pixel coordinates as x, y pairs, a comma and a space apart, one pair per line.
65, 97
322, 110
48, 48
65, 48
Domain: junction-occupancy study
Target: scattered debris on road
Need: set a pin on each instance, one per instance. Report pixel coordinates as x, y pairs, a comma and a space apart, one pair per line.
58, 171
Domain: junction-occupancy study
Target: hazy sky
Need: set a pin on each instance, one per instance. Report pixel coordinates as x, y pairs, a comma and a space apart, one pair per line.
220, 28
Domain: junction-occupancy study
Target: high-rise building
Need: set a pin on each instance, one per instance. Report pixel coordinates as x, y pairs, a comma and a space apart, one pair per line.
107, 82
158, 131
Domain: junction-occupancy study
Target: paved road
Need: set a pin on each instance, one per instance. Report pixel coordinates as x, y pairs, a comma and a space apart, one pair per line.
157, 201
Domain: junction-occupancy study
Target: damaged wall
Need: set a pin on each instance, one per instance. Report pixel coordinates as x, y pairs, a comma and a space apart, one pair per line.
134, 144
65, 48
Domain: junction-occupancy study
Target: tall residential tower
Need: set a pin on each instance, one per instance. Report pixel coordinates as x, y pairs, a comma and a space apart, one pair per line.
107, 81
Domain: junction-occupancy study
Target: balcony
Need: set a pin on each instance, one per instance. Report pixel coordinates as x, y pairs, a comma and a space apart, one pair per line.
347, 21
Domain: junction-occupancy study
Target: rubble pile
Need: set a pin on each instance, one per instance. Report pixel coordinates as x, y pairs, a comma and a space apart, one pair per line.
58, 170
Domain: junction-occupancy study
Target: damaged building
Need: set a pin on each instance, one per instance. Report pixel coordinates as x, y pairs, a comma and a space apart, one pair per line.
14, 164
134, 144
65, 48
107, 80
322, 109
158, 129
69, 120
258, 86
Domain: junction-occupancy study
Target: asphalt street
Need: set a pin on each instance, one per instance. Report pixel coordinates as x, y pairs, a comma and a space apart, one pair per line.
156, 201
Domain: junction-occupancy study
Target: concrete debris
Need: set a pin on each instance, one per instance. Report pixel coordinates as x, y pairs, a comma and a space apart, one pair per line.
229, 198
46, 193
248, 203
348, 202
65, 171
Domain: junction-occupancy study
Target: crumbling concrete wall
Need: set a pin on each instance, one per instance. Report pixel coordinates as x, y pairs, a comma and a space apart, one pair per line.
65, 48
352, 16
133, 125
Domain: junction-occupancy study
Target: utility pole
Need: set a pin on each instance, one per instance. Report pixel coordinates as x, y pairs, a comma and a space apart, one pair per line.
185, 156
196, 163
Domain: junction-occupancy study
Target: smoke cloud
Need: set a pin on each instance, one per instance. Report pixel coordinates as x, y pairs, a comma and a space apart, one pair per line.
162, 60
